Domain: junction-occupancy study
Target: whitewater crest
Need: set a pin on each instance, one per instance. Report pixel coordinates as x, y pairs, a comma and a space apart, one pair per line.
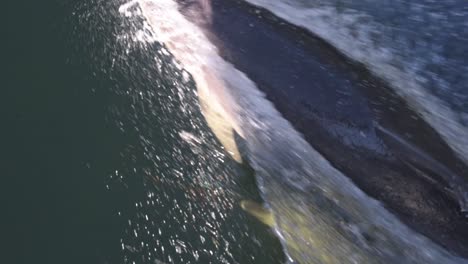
319, 214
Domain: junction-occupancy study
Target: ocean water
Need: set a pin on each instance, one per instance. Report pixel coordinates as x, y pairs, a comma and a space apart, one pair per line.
112, 161
111, 156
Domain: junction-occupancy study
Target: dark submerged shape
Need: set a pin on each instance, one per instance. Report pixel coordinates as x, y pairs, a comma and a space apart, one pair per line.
352, 118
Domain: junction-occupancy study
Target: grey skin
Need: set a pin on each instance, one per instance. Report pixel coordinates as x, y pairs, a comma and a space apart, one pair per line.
352, 118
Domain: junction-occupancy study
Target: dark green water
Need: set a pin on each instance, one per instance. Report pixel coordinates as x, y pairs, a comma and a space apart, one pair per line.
96, 166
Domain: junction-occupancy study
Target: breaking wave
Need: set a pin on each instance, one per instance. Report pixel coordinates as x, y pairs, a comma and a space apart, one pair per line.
419, 48
287, 167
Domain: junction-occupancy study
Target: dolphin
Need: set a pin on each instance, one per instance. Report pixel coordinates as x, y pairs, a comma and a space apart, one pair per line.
320, 214
351, 117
